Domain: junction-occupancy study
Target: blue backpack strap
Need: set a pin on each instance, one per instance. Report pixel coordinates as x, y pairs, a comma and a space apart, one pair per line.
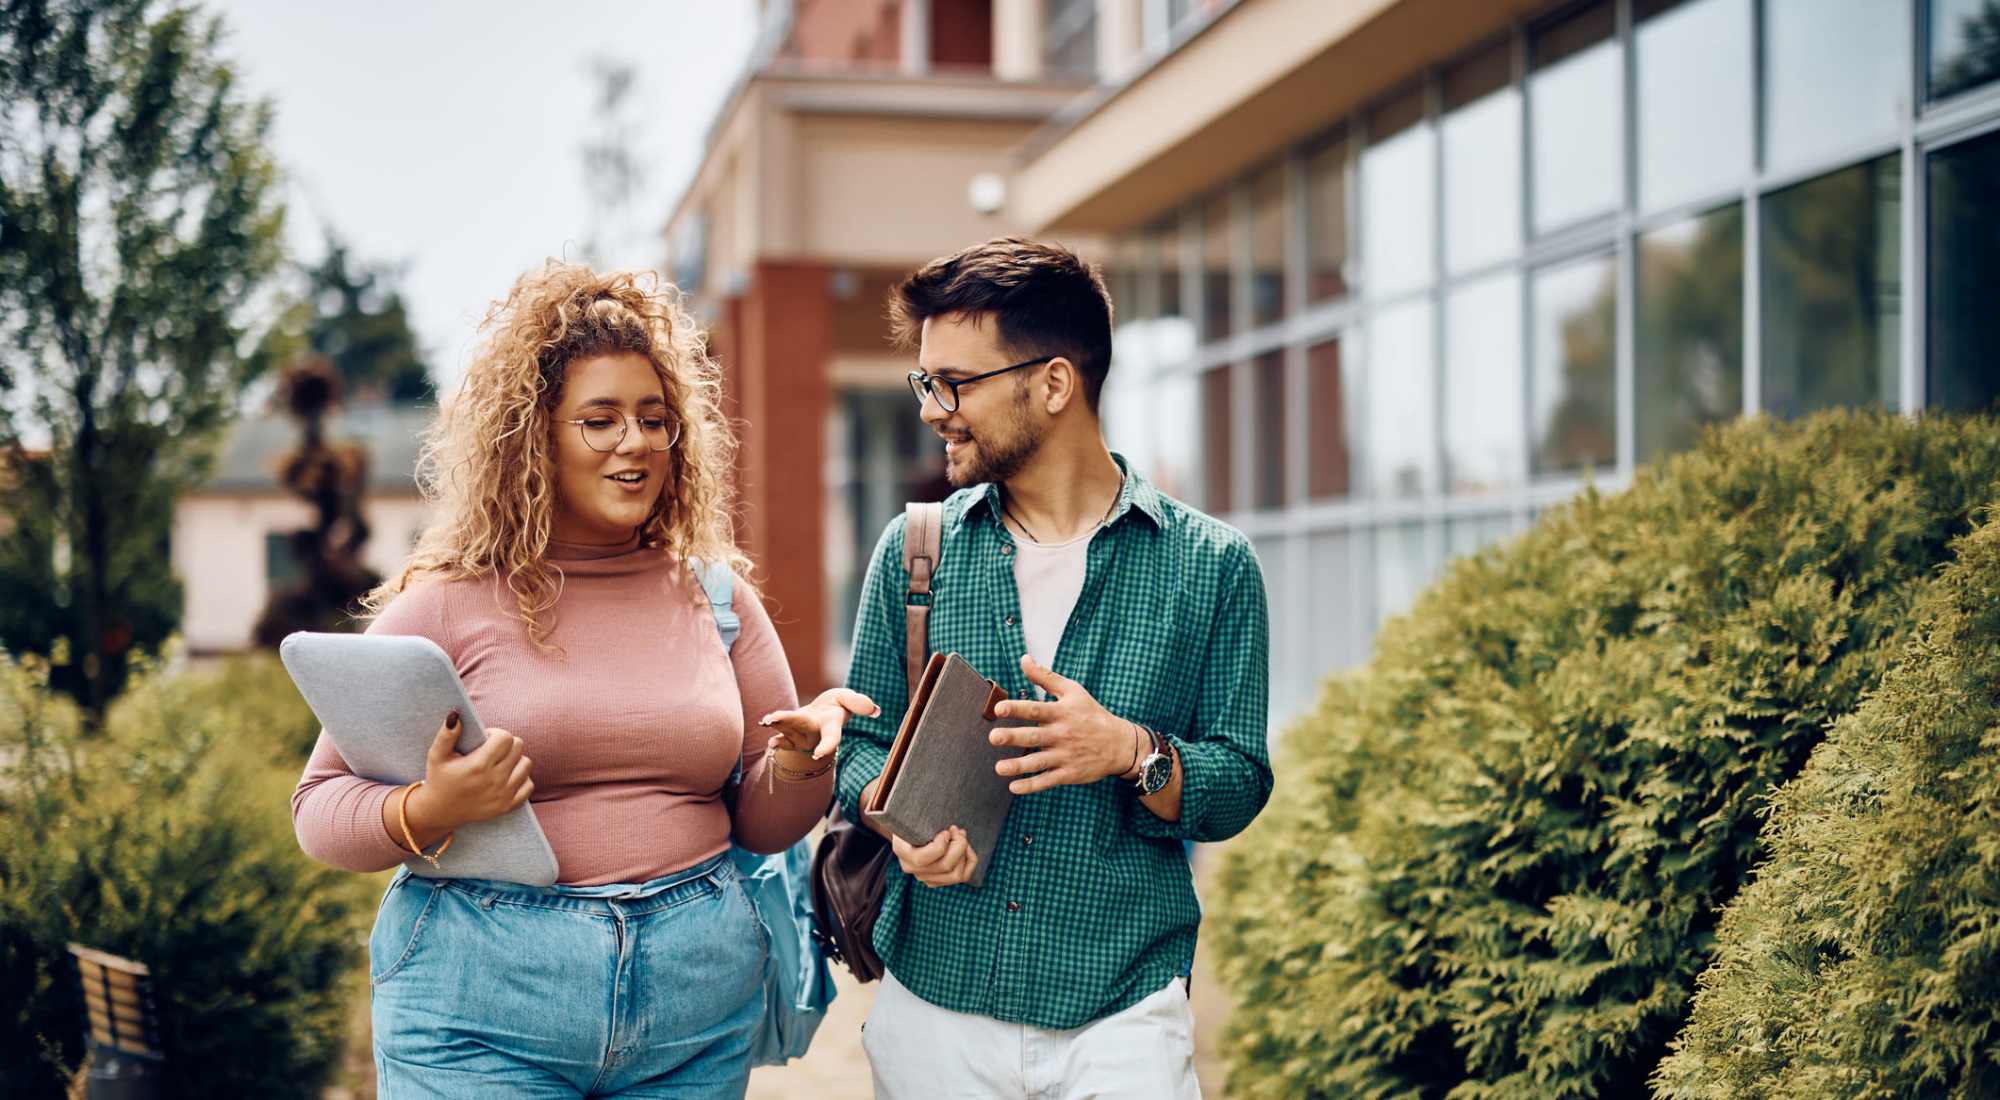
719, 582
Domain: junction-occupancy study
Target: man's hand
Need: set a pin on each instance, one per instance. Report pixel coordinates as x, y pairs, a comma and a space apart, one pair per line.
946, 861
1074, 739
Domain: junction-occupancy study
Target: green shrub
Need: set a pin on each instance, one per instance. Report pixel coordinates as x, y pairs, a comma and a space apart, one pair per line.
1864, 959
1496, 864
167, 838
257, 694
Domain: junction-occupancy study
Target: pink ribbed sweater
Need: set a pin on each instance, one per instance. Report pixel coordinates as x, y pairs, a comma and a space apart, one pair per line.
634, 727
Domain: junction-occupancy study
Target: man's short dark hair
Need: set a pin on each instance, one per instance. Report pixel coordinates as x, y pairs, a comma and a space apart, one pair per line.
1045, 299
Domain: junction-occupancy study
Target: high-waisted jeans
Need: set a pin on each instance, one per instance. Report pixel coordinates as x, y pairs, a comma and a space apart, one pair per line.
486, 989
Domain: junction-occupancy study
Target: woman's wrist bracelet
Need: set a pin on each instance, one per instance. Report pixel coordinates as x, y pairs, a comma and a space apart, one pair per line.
774, 770
403, 818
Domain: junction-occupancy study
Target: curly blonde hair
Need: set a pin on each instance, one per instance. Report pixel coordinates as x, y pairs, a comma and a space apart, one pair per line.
487, 466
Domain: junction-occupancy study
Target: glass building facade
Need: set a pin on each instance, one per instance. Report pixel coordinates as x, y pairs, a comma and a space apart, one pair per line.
1551, 259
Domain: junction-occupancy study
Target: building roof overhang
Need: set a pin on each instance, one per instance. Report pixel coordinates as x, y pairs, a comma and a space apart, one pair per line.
1260, 76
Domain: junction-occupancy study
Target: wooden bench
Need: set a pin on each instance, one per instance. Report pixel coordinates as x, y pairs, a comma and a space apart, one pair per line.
124, 1030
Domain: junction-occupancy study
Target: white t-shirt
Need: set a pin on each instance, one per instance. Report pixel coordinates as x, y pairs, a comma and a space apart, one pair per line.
1049, 577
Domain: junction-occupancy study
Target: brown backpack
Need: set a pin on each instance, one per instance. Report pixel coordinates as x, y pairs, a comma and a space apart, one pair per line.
851, 865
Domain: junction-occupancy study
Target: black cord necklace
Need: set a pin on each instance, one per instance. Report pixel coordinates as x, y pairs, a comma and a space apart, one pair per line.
1008, 512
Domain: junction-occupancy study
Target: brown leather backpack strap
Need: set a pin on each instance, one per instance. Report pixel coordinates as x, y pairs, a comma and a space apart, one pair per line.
923, 547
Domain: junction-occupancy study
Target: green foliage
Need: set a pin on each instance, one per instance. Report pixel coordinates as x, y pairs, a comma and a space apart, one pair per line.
167, 838
352, 313
138, 225
1496, 863
1864, 960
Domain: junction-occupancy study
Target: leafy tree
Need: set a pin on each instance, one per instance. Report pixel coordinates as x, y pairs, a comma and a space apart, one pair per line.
139, 222
352, 312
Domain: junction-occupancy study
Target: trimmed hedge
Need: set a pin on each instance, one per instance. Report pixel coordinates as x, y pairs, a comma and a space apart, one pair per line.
1498, 854
167, 838
1864, 960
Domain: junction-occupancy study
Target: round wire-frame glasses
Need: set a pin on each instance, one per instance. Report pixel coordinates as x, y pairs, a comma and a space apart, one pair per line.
604, 432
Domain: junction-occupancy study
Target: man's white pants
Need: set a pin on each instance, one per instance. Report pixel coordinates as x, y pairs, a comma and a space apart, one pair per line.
919, 1051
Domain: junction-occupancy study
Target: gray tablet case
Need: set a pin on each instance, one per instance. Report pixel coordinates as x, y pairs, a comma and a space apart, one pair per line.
940, 769
381, 698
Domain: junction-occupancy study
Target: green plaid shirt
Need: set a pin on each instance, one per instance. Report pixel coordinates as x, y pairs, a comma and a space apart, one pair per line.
1088, 905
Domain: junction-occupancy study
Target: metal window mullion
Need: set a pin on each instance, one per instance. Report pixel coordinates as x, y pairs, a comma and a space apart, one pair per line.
1297, 258
1433, 525
1524, 210
1361, 463
1433, 131
1914, 251
1753, 227
1626, 313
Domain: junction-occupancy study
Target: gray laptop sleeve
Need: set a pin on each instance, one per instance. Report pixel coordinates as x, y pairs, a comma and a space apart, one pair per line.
381, 699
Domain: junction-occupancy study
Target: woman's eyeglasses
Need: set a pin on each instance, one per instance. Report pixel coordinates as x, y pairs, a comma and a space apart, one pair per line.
605, 432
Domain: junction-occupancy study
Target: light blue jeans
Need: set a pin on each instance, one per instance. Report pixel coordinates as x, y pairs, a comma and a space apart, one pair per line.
487, 989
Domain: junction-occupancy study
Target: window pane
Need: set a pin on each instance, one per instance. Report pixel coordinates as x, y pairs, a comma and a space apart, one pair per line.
1340, 625
1471, 534
1326, 221
1398, 205
1403, 566
1964, 45
1128, 270
1178, 468
1402, 402
1964, 280
1069, 38
1834, 70
1329, 374
1175, 340
1690, 340
1573, 103
1273, 395
1483, 388
1482, 165
1217, 441
1694, 101
1218, 264
1832, 291
1267, 246
1576, 353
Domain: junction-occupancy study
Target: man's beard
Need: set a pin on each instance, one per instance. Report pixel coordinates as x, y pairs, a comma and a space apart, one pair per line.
998, 457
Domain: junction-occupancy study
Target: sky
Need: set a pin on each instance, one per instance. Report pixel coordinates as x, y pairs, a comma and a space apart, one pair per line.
445, 135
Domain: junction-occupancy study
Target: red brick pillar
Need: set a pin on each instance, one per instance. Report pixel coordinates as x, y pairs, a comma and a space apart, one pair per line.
784, 340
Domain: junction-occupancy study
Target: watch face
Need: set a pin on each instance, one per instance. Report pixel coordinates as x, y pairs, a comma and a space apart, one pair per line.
1154, 772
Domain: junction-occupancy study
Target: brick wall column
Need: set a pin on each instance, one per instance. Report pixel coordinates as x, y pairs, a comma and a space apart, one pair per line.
784, 340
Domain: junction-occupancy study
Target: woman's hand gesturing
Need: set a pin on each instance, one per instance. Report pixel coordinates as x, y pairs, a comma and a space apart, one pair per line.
815, 727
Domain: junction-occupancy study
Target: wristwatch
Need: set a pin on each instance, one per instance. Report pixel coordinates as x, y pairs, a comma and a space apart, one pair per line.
1157, 769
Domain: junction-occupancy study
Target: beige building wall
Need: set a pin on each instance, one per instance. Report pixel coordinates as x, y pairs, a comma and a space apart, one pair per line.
218, 552
888, 190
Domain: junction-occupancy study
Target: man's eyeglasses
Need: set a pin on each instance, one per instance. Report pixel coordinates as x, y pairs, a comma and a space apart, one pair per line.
945, 390
604, 432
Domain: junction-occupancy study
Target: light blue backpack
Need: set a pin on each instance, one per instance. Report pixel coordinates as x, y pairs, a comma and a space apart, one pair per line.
798, 986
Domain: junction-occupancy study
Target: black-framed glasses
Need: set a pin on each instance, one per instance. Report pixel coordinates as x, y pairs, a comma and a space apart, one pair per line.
604, 432
927, 385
